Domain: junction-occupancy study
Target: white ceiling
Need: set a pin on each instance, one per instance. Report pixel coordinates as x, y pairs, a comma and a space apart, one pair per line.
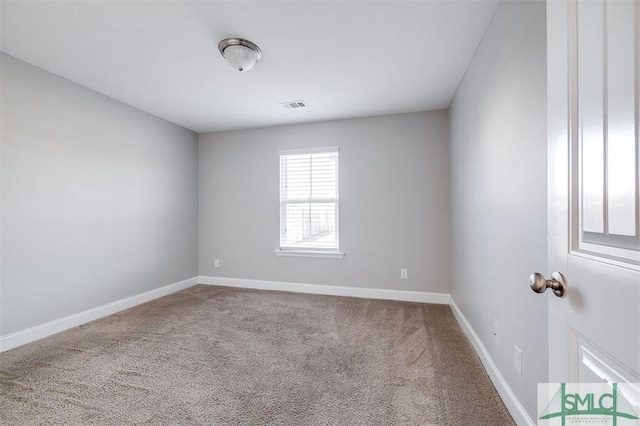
344, 58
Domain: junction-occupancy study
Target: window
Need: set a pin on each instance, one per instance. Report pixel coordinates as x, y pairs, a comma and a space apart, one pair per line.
309, 202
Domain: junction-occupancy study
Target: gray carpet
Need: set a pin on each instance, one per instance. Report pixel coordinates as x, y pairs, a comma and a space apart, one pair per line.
214, 355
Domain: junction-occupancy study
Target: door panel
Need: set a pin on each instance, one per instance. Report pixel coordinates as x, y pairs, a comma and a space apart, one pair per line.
620, 117
605, 96
595, 366
599, 311
591, 96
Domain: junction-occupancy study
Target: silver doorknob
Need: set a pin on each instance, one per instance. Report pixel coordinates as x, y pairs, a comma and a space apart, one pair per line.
557, 283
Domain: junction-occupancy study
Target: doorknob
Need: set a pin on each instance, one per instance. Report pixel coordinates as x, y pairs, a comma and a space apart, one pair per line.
557, 283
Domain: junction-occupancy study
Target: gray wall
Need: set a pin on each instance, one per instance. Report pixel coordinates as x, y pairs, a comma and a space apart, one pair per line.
498, 192
99, 200
394, 207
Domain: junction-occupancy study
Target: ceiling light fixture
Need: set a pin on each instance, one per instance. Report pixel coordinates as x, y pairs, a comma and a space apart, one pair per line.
240, 53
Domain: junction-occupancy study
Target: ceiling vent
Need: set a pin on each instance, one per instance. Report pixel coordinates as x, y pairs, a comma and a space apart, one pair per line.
294, 104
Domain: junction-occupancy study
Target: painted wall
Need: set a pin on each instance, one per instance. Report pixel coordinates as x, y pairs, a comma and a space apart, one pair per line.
99, 199
499, 192
394, 207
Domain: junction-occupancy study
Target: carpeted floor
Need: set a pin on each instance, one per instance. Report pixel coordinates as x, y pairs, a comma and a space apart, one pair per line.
214, 355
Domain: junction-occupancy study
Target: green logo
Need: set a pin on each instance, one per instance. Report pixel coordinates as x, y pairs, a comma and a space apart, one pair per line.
589, 405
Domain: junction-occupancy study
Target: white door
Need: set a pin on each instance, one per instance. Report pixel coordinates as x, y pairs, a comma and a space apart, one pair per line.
594, 215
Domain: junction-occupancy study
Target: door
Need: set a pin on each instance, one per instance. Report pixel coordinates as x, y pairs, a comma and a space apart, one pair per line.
594, 215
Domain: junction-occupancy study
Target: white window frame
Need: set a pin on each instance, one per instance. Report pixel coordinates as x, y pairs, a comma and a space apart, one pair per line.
309, 251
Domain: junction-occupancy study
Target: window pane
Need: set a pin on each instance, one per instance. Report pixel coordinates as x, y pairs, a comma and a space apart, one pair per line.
296, 177
311, 225
324, 168
296, 223
323, 225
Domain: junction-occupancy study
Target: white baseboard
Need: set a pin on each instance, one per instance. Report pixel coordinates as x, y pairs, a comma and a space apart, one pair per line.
37, 332
510, 400
331, 290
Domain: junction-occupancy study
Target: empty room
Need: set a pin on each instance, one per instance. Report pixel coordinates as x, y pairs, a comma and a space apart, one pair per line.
320, 212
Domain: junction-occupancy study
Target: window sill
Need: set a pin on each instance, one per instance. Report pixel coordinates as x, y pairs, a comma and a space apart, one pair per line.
309, 253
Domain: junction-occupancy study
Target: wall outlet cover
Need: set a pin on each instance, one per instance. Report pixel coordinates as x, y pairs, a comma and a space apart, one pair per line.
517, 359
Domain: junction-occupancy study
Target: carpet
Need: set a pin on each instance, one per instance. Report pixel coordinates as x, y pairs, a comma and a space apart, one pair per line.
216, 355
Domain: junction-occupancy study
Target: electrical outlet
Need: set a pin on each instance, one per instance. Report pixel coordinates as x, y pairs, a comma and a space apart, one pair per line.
517, 359
216, 263
496, 334
403, 274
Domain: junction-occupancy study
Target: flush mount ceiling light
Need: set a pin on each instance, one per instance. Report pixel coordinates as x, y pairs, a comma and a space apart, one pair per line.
241, 54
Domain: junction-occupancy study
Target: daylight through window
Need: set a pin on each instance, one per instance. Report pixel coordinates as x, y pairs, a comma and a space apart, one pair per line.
309, 199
